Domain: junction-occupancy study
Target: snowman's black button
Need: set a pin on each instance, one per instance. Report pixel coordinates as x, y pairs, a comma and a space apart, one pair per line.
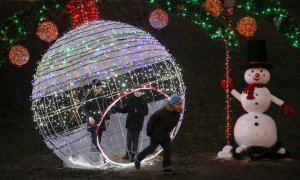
256, 124
256, 94
256, 117
256, 103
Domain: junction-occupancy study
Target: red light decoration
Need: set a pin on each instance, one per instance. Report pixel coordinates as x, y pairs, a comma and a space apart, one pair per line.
228, 98
18, 55
82, 11
47, 31
247, 26
159, 18
214, 7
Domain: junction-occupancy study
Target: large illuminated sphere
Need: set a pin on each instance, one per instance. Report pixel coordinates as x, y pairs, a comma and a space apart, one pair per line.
255, 129
123, 58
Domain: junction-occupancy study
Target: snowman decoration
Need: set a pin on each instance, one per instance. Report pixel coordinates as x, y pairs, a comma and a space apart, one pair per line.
255, 132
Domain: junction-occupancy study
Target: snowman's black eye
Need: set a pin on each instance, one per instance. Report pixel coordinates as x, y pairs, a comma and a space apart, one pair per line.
252, 71
261, 71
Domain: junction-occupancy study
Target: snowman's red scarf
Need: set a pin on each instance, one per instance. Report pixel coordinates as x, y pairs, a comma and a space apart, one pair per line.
250, 90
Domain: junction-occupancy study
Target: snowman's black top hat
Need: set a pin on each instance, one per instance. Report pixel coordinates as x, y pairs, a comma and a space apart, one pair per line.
257, 54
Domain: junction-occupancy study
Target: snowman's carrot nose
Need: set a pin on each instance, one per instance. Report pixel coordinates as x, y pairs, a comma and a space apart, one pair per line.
257, 75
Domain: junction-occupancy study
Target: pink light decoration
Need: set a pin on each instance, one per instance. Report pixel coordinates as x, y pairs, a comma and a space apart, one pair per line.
159, 18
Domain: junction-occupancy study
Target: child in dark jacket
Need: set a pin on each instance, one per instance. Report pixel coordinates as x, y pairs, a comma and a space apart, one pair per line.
159, 127
93, 108
137, 109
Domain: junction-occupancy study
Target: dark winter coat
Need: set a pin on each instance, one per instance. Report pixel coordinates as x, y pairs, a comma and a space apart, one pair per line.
137, 109
93, 107
162, 122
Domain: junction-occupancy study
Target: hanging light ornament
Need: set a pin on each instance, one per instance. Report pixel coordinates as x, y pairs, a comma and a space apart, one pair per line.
19, 55
247, 26
214, 7
82, 11
159, 18
47, 31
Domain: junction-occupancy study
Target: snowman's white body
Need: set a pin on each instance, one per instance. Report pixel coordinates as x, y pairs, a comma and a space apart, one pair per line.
256, 128
261, 102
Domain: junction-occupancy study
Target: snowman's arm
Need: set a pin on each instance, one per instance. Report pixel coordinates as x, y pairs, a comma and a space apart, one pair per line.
236, 94
277, 101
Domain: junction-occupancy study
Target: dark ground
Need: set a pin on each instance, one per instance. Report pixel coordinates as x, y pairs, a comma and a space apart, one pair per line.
25, 156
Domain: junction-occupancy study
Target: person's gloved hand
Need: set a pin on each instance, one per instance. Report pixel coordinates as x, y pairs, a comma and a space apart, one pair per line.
287, 109
230, 85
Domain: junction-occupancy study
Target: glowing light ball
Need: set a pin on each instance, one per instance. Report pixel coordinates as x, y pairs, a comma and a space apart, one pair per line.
159, 18
125, 59
247, 26
47, 31
18, 55
214, 7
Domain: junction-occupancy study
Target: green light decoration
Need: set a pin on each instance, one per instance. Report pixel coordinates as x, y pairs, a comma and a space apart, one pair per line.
216, 28
17, 27
194, 11
273, 12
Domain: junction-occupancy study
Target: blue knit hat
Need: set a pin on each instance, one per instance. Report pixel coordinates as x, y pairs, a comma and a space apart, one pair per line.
175, 99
